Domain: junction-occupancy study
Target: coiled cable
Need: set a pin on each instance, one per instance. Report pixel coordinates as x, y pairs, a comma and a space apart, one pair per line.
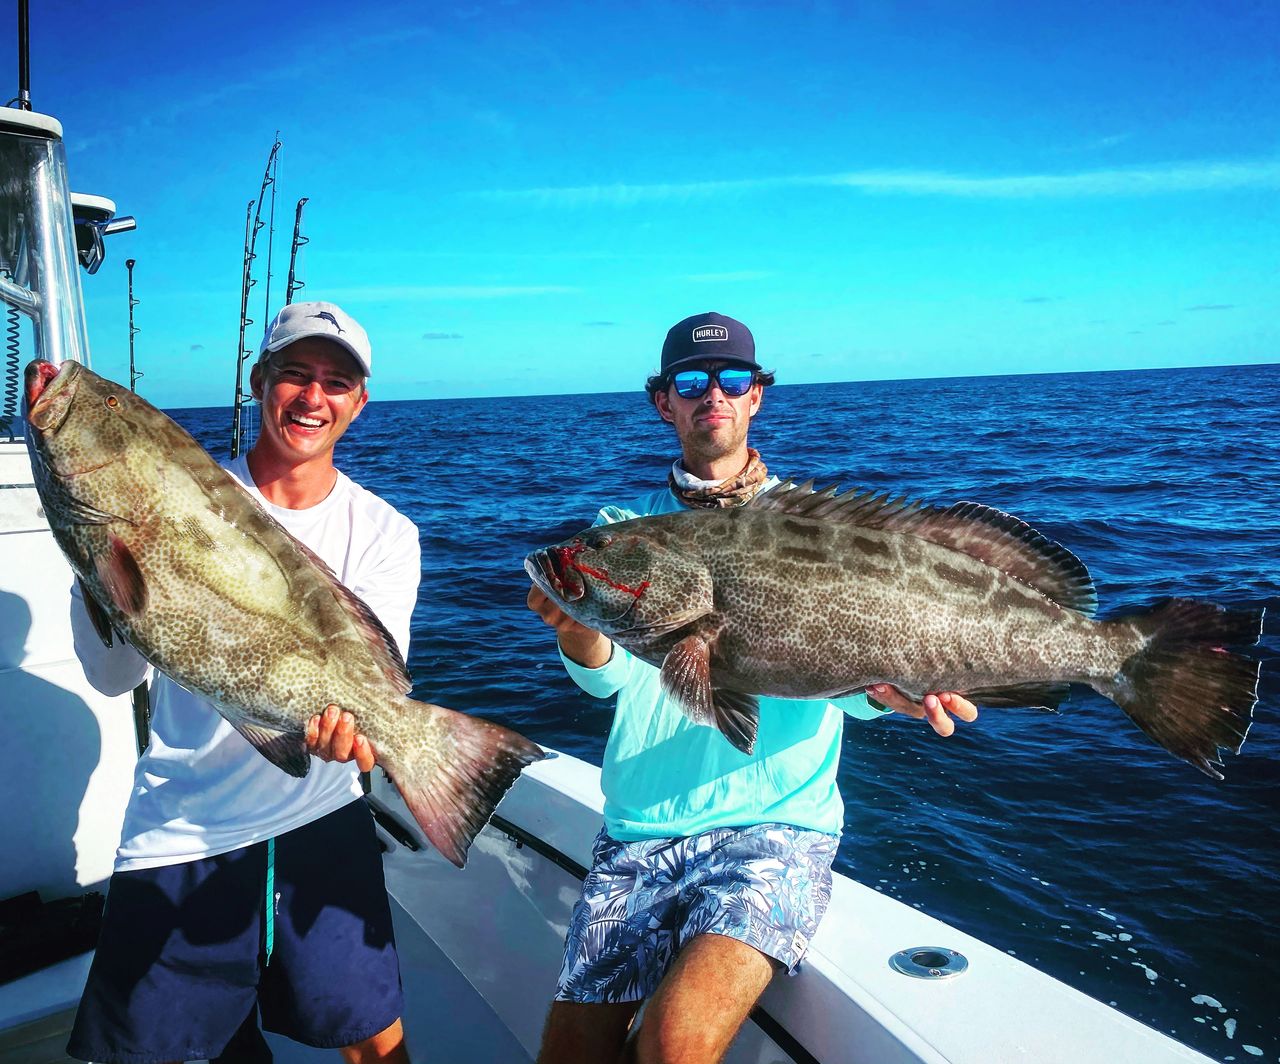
12, 368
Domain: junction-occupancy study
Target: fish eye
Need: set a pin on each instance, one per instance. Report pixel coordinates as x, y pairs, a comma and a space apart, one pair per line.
112, 401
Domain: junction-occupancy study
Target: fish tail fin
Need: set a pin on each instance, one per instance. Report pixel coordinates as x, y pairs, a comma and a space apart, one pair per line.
1184, 688
452, 787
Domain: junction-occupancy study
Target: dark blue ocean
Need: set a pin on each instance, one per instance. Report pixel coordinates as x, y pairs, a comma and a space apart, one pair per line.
1068, 840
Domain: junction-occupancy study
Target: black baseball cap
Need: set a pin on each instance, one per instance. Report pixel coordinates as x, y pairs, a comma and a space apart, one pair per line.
708, 336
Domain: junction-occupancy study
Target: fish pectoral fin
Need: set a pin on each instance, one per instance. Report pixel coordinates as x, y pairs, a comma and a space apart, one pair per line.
686, 677
97, 615
121, 578
287, 750
737, 717
1028, 695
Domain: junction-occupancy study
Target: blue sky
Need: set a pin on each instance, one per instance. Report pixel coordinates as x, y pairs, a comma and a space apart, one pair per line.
521, 198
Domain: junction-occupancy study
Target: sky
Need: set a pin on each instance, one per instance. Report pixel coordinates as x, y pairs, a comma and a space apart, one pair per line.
521, 198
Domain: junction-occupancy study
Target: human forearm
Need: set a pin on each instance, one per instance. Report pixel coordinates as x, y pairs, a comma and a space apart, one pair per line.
860, 706
589, 649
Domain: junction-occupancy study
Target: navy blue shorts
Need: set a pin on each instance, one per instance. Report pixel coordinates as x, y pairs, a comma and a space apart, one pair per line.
180, 959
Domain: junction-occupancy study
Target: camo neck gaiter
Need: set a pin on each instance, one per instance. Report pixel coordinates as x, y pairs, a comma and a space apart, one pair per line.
733, 491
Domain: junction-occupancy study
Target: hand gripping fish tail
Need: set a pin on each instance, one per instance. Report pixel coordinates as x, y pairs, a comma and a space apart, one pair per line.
452, 797
1184, 689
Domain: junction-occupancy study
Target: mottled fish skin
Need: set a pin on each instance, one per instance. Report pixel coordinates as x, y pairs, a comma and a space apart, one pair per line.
815, 595
865, 606
217, 595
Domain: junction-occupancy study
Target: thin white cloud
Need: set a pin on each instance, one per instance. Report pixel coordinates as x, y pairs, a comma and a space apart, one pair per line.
1097, 144
1155, 180
1110, 142
181, 104
413, 293
729, 278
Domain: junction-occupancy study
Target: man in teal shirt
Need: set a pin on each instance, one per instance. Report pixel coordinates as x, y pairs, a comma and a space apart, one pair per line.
714, 866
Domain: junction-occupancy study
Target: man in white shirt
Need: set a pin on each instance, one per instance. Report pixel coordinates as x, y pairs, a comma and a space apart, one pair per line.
238, 888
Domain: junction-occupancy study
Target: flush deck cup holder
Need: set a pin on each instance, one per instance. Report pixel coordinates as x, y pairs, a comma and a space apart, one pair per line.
929, 962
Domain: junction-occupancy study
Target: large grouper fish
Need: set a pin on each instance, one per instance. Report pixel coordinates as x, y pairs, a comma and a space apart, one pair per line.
818, 594
176, 556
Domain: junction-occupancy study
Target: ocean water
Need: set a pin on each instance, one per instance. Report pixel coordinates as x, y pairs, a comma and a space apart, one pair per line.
1068, 840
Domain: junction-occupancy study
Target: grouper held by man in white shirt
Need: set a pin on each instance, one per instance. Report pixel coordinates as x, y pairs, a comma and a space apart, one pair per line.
177, 557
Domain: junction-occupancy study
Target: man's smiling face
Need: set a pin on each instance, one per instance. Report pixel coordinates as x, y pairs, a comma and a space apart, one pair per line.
310, 393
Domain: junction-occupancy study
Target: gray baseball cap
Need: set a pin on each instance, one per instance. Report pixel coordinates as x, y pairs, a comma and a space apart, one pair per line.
317, 318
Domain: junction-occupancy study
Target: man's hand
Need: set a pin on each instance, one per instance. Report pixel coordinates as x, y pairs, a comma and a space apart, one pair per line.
934, 708
332, 736
588, 648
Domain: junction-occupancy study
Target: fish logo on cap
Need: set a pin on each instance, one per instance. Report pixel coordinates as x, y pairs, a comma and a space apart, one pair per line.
326, 316
710, 332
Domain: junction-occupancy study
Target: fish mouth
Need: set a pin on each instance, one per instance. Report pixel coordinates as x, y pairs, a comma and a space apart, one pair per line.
548, 570
49, 391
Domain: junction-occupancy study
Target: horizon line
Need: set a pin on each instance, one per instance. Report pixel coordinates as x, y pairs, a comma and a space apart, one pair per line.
639, 389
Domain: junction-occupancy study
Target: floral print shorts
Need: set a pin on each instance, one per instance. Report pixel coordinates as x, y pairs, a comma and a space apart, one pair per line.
766, 885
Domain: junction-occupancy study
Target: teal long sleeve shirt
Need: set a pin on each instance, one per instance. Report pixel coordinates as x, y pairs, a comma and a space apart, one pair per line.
664, 776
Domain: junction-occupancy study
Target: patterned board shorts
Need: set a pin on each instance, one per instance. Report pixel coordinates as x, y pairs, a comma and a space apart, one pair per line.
766, 885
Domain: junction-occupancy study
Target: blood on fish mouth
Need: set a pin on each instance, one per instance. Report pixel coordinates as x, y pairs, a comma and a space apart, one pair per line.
567, 558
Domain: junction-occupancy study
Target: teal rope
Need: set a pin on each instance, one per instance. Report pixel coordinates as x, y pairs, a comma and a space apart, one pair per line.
270, 899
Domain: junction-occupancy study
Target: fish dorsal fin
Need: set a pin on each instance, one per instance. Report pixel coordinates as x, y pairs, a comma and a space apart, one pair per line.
989, 535
383, 644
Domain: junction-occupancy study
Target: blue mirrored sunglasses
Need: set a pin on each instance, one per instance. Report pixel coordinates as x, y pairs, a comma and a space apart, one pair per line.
733, 381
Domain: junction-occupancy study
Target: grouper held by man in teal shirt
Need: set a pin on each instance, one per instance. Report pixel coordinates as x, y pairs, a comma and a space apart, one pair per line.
803, 594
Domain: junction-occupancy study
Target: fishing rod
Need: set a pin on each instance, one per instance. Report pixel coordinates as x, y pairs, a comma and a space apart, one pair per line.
298, 241
141, 695
134, 375
23, 99
253, 222
274, 164
246, 282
